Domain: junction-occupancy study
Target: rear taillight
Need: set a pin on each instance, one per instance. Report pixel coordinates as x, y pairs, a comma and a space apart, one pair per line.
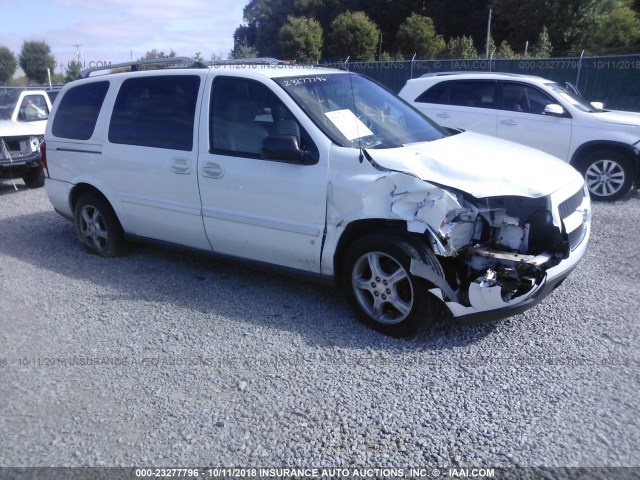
43, 158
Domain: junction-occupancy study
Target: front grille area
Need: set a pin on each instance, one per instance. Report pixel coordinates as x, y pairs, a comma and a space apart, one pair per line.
570, 207
576, 237
571, 204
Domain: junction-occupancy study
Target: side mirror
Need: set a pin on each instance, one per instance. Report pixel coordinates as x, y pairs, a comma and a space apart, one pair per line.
597, 105
554, 110
285, 148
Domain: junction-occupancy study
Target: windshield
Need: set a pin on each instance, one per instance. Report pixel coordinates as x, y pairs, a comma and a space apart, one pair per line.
8, 99
358, 113
575, 100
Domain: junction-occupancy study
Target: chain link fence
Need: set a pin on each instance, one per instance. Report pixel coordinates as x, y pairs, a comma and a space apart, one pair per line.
614, 80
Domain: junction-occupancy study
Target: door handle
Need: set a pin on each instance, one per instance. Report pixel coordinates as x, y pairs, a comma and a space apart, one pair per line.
442, 115
212, 170
508, 122
181, 166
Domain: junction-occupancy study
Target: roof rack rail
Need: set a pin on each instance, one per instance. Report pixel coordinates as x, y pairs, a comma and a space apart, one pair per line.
466, 72
249, 61
180, 62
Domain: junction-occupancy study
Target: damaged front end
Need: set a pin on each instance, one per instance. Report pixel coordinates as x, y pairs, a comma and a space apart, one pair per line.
497, 252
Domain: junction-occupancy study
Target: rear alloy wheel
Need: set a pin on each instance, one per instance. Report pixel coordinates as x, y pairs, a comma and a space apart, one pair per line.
608, 174
379, 286
97, 226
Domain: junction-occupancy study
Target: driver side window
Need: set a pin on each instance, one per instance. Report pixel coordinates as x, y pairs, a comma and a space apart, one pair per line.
523, 98
245, 112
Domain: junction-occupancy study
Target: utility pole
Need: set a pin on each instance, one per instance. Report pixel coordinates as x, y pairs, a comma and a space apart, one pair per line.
488, 32
77, 54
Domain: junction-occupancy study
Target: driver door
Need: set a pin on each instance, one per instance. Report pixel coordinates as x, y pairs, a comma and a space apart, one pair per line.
265, 210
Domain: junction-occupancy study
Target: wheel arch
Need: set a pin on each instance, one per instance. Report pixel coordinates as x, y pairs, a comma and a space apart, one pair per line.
79, 190
360, 228
588, 148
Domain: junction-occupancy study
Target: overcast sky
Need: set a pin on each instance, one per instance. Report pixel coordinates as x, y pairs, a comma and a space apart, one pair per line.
114, 30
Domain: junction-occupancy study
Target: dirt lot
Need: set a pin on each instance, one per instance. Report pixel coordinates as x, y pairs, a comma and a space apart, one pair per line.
168, 359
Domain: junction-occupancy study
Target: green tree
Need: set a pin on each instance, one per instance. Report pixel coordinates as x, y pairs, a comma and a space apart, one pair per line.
572, 25
263, 19
617, 31
460, 48
198, 57
73, 71
245, 36
155, 53
353, 35
35, 58
243, 50
8, 64
417, 34
505, 51
301, 39
543, 47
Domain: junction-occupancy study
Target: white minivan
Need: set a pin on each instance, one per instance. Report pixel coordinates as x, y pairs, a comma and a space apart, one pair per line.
319, 172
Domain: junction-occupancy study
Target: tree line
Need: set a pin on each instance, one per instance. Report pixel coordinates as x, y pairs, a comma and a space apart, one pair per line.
34, 58
311, 30
308, 30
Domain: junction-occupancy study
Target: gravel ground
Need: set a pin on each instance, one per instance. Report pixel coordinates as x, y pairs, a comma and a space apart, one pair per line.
169, 359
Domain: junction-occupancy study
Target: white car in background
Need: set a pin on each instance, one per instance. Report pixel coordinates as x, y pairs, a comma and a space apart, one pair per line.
23, 119
604, 145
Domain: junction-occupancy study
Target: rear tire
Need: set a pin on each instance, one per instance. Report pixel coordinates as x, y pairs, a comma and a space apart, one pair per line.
34, 178
609, 175
97, 226
377, 282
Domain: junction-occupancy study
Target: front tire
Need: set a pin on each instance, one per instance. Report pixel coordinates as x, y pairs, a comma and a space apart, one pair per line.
608, 174
377, 282
97, 227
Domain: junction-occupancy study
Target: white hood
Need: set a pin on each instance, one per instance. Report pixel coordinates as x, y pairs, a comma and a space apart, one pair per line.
9, 128
481, 165
618, 117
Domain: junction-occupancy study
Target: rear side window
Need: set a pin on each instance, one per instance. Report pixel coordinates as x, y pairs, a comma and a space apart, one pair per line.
78, 111
156, 112
463, 93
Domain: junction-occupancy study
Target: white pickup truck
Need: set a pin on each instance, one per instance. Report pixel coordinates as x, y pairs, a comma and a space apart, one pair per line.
23, 119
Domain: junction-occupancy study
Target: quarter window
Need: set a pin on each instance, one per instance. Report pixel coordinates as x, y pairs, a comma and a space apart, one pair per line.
79, 110
156, 112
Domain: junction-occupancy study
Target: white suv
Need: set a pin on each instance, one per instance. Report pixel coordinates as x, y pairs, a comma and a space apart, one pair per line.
603, 145
320, 172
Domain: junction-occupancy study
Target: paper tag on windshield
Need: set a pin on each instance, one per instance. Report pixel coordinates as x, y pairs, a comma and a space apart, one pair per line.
349, 125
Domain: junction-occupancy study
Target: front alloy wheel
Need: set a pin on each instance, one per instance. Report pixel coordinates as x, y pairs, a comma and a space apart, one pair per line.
377, 281
608, 175
382, 288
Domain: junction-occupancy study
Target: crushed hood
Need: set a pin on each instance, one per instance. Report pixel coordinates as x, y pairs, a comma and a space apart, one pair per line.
481, 165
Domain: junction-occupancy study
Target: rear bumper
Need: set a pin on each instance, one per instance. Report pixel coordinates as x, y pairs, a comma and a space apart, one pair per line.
19, 166
58, 193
